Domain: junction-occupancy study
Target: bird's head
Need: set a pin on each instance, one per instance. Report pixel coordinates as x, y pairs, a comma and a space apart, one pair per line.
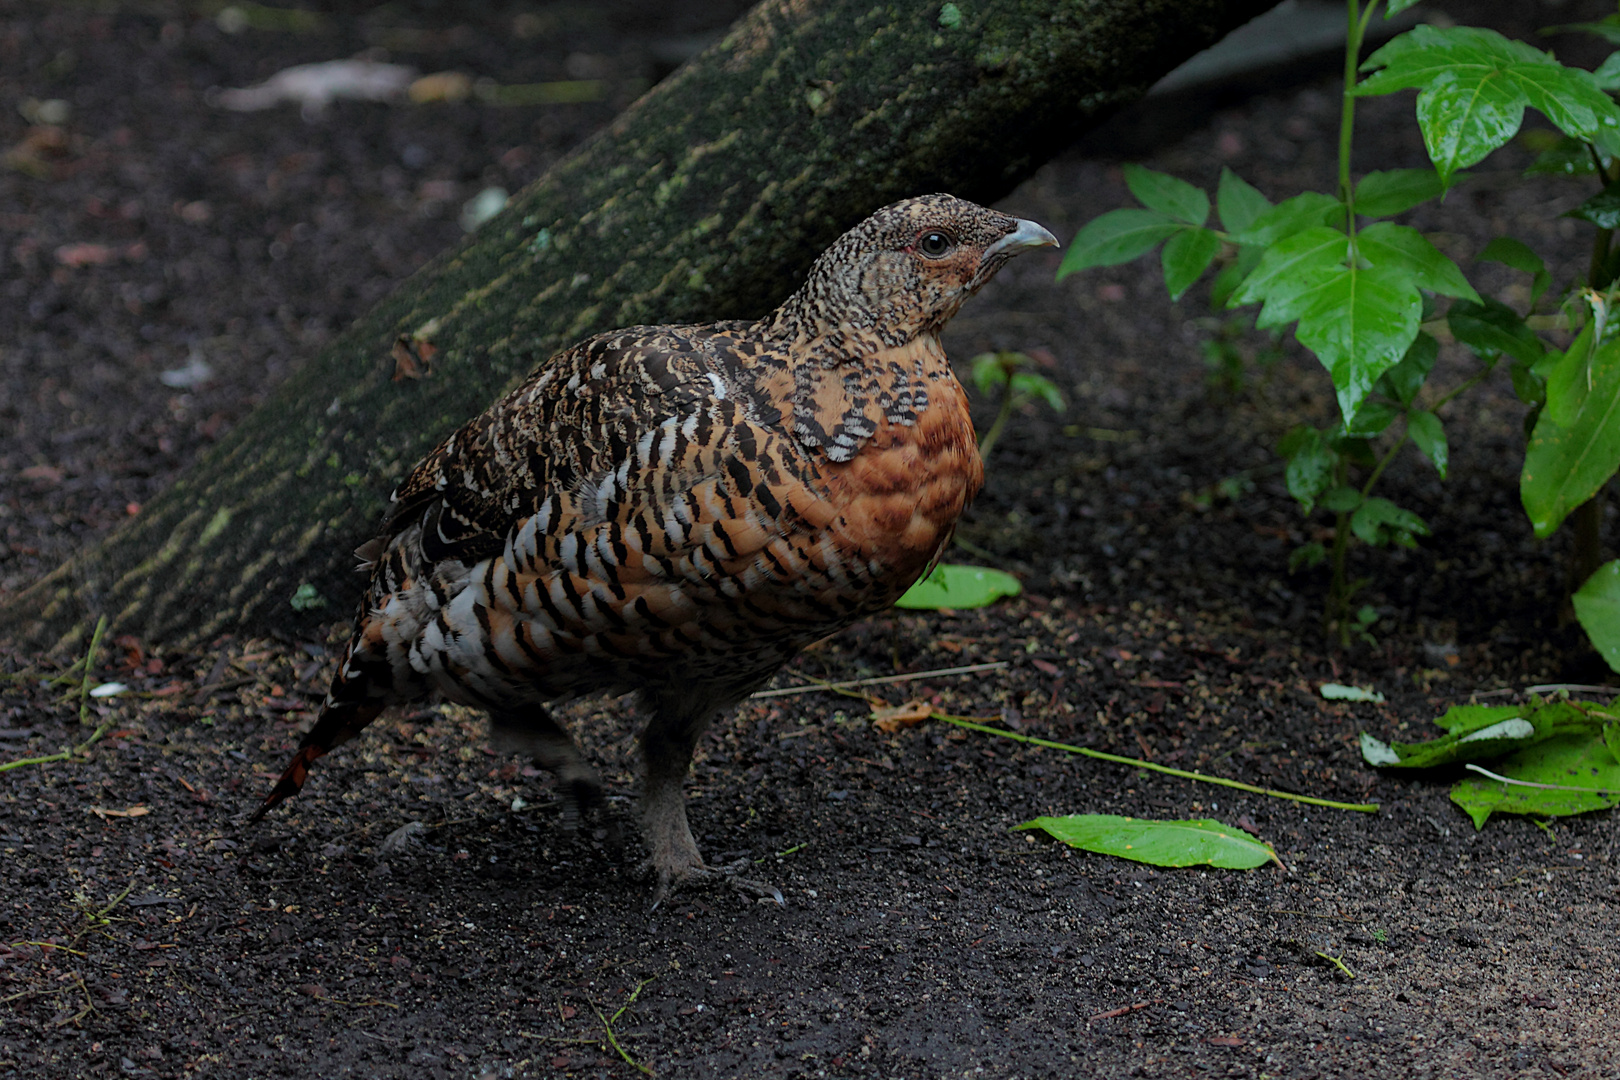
907, 269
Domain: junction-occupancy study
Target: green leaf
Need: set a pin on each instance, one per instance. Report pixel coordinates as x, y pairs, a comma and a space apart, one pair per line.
1396, 7
1602, 209
989, 373
1289, 273
1311, 465
1360, 323
1565, 465
1230, 276
1607, 74
1597, 606
1482, 732
1474, 86
1429, 435
1372, 418
1342, 499
1160, 843
1304, 211
1340, 692
1462, 122
1514, 253
1607, 29
955, 586
1309, 554
1238, 202
1565, 157
1358, 320
1379, 521
1569, 378
1385, 194
1491, 328
1168, 194
1403, 248
1117, 237
1186, 256
1030, 384
1405, 379
1579, 771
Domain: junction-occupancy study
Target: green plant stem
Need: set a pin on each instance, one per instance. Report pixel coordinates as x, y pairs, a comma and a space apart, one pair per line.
69, 752
988, 440
1356, 31
89, 667
972, 725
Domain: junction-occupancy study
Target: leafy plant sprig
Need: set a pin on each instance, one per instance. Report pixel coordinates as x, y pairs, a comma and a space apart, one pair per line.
1007, 374
1362, 294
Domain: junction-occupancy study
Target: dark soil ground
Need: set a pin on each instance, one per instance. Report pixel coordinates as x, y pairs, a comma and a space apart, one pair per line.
920, 938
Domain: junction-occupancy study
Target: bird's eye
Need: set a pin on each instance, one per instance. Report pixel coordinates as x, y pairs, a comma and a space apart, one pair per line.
934, 244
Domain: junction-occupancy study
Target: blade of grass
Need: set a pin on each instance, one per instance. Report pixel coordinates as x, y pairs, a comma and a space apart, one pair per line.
1118, 759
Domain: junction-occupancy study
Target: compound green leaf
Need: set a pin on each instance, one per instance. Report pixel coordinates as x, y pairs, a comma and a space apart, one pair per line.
1160, 843
1473, 88
1168, 194
1116, 237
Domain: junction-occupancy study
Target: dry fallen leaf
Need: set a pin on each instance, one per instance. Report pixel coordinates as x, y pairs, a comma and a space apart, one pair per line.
891, 718
139, 810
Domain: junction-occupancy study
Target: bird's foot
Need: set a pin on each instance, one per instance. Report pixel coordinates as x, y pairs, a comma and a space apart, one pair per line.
581, 794
668, 877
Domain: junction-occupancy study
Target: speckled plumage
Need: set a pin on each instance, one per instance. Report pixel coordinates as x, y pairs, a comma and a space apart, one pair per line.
677, 510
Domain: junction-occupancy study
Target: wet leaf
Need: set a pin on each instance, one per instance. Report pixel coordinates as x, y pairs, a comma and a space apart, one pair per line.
1579, 772
1474, 85
1483, 732
1161, 843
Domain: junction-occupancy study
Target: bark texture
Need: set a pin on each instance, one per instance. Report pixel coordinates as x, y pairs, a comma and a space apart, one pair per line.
707, 199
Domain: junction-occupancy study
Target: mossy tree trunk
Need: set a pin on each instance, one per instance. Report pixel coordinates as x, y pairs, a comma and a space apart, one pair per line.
706, 199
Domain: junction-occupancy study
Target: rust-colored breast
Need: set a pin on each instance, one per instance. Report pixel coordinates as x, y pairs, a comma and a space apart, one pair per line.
900, 497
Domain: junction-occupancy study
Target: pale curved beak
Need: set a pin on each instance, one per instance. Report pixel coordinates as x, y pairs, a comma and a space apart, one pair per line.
1027, 235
